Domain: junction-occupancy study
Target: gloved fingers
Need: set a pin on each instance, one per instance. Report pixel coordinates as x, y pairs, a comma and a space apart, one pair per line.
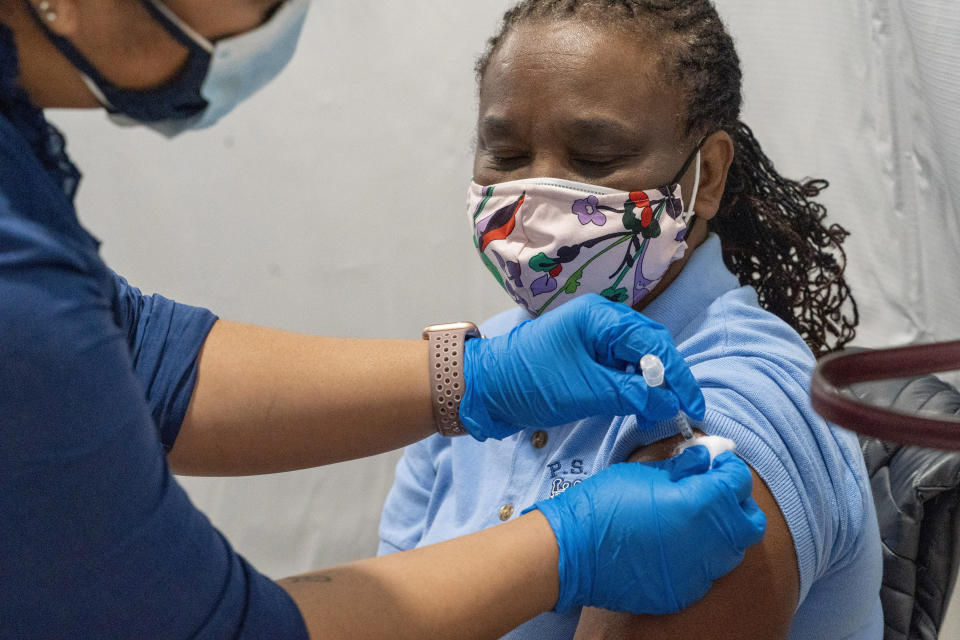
693, 461
681, 381
738, 515
662, 403
757, 521
730, 473
725, 561
625, 336
629, 394
693, 595
741, 526
724, 456
631, 345
621, 335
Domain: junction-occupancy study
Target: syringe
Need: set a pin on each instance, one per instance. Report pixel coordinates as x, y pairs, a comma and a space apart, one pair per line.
652, 369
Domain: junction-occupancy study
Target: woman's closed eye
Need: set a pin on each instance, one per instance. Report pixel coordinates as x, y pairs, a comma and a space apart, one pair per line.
505, 160
598, 166
597, 162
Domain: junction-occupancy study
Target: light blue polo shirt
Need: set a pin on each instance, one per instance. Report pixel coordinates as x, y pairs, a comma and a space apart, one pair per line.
754, 370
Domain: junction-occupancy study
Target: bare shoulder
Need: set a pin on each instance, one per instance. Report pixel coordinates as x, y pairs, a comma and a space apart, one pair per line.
756, 600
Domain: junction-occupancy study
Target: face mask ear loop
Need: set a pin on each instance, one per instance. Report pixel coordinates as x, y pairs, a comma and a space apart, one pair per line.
177, 28
696, 187
691, 220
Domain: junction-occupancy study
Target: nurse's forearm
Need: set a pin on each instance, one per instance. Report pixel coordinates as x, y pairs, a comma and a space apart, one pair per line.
479, 586
268, 401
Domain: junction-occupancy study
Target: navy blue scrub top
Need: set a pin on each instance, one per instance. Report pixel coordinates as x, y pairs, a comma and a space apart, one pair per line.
97, 538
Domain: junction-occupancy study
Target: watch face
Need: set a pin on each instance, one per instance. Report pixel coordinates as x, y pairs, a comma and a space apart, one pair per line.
471, 329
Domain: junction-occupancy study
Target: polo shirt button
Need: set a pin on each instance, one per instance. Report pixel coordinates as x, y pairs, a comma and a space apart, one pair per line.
506, 512
539, 439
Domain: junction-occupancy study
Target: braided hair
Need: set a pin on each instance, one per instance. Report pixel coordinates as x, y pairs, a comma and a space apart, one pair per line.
773, 233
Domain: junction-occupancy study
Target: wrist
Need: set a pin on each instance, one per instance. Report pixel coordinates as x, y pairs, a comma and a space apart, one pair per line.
447, 354
545, 553
573, 577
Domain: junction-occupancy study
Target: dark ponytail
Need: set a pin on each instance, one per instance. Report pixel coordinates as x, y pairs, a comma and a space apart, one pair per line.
774, 234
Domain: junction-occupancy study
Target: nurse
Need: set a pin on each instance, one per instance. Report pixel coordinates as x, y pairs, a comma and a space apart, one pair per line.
105, 392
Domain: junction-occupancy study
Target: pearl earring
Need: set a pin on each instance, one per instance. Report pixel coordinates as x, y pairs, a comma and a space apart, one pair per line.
48, 13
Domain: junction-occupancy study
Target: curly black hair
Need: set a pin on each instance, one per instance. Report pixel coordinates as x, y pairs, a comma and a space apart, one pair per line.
774, 235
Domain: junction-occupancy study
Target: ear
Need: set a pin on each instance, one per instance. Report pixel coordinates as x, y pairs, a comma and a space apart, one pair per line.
60, 16
716, 156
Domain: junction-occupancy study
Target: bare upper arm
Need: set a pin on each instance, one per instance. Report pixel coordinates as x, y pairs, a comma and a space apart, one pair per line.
756, 600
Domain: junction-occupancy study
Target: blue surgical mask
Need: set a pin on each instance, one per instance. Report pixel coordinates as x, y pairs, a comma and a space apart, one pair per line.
214, 80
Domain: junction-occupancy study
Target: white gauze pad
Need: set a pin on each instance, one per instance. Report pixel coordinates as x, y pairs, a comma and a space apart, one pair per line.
715, 444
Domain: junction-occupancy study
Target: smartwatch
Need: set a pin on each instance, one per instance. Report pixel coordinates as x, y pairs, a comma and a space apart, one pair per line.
446, 373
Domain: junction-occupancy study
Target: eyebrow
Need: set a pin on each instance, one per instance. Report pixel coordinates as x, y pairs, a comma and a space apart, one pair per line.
582, 130
600, 129
497, 127
600, 134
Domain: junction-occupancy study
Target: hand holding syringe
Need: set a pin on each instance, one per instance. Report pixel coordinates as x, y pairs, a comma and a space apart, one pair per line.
652, 369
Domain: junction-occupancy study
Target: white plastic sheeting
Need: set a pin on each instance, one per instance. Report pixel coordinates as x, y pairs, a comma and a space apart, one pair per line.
334, 202
865, 94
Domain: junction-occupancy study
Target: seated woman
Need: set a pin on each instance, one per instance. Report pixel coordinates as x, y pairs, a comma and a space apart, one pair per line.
586, 107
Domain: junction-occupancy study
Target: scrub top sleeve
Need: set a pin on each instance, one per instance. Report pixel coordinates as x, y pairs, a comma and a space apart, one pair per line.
97, 538
164, 338
405, 511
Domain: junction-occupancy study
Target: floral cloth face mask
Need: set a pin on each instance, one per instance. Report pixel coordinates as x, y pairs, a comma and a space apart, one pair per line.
548, 240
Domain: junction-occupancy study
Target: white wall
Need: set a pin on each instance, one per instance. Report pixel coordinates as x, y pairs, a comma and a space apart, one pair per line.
333, 203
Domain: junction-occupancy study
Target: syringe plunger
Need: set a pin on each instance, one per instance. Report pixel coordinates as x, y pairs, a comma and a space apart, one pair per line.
652, 368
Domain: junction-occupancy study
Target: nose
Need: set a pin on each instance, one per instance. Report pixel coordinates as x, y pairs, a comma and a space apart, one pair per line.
547, 164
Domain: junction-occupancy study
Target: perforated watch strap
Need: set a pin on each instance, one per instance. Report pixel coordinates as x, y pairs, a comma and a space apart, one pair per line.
446, 369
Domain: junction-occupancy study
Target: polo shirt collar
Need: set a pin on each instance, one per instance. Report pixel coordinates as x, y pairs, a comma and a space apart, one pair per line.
704, 279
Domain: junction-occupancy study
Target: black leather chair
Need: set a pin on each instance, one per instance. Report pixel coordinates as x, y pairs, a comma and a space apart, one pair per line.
917, 494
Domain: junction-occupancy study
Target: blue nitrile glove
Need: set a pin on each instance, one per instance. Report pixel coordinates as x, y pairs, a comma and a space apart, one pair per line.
634, 539
570, 364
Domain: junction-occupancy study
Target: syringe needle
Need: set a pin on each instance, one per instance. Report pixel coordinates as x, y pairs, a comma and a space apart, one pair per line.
684, 425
